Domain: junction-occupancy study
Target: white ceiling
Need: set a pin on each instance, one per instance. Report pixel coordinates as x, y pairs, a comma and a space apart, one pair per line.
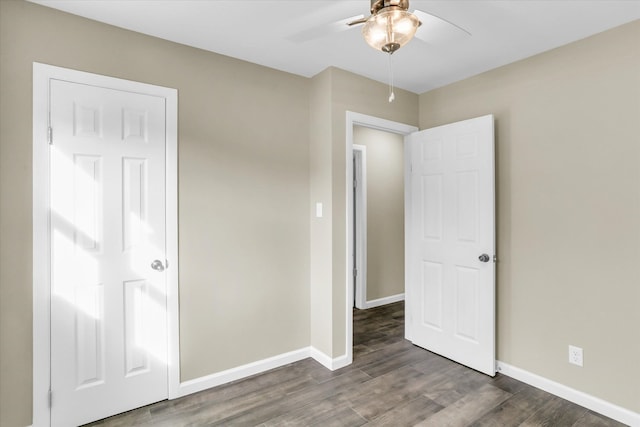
301, 37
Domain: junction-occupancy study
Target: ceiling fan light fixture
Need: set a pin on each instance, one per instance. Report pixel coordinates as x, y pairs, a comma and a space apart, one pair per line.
390, 29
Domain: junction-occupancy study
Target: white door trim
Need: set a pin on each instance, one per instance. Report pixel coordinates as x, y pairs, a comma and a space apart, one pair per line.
360, 224
41, 227
372, 122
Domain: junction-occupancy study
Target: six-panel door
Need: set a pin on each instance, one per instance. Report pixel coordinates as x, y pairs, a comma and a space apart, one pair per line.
108, 306
452, 224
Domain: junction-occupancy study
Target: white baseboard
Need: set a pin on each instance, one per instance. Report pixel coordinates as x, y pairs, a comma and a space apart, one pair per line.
320, 357
384, 301
583, 399
328, 362
233, 374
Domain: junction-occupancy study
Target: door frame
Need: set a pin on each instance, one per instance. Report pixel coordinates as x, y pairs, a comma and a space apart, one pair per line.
360, 224
42, 74
358, 119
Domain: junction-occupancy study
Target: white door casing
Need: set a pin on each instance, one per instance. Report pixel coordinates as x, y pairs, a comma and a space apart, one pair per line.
360, 224
451, 291
110, 179
357, 119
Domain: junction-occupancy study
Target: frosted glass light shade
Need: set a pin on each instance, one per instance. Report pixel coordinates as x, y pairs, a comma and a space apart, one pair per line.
390, 29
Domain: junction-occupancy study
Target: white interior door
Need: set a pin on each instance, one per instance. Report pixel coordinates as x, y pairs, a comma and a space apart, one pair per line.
451, 245
108, 285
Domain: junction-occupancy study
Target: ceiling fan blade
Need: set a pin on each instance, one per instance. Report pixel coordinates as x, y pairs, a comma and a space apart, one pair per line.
358, 21
437, 31
324, 30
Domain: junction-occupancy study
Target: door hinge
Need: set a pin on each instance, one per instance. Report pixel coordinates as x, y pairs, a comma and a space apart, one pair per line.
355, 272
50, 135
355, 183
50, 398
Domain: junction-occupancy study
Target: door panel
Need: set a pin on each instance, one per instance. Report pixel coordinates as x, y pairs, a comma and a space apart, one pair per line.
432, 295
452, 292
433, 197
108, 306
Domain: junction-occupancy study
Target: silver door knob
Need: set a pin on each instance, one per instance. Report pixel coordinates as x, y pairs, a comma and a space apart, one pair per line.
484, 258
157, 265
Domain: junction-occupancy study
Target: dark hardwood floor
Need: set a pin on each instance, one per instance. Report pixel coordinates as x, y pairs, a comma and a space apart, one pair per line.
390, 383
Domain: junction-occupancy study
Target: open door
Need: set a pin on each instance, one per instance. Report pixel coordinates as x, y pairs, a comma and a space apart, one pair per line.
451, 242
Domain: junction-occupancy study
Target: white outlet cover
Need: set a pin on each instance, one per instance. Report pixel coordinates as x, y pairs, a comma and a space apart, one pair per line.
575, 355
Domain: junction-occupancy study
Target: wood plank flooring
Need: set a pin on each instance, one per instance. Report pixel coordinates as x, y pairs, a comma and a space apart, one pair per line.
390, 383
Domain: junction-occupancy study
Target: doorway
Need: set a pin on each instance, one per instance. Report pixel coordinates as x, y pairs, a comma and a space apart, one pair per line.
352, 120
378, 216
449, 198
105, 262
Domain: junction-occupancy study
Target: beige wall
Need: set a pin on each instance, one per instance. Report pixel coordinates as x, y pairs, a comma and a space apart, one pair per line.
320, 192
568, 174
243, 192
385, 211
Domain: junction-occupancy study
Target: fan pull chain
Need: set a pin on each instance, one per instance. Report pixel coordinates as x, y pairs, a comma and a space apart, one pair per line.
392, 96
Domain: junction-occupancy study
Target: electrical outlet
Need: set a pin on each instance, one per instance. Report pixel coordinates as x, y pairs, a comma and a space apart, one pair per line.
575, 355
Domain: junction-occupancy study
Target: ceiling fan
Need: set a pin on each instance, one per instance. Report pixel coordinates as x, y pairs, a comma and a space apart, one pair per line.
390, 26
429, 28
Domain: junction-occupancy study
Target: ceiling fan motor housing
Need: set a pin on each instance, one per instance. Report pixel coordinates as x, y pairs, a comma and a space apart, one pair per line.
377, 5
